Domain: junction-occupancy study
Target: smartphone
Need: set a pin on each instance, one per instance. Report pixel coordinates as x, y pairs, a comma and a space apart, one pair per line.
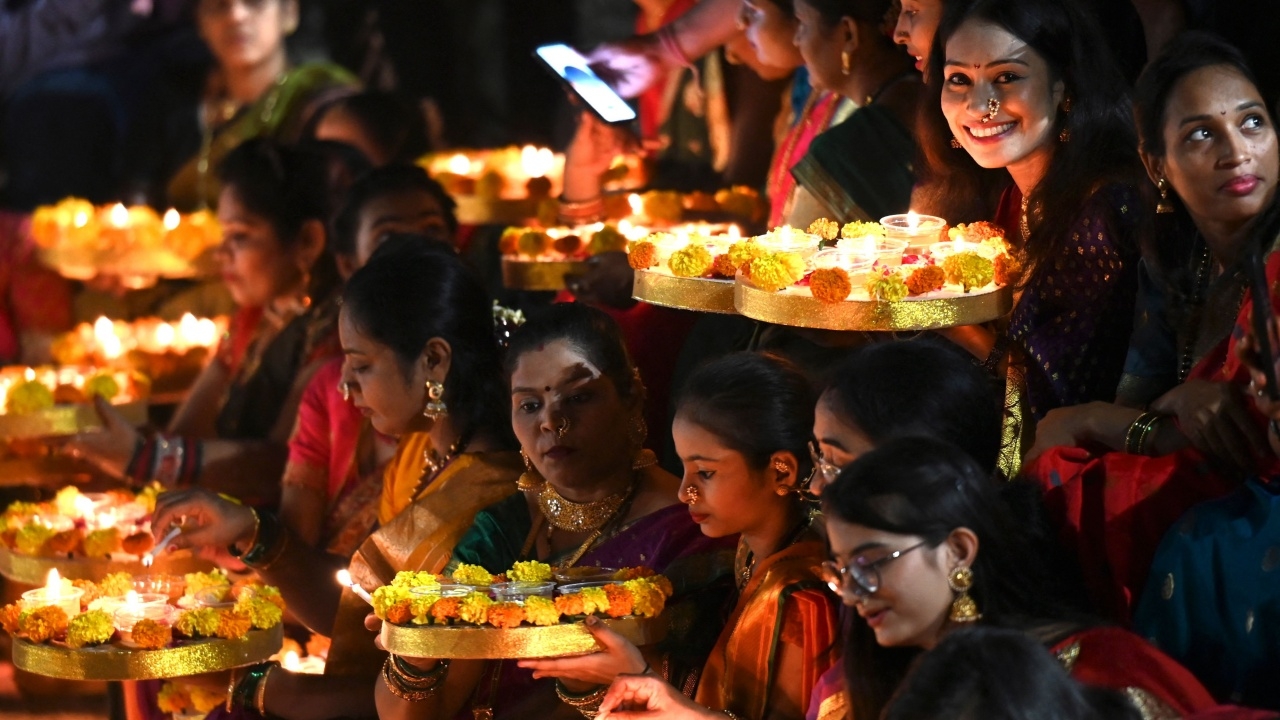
571, 67
1261, 314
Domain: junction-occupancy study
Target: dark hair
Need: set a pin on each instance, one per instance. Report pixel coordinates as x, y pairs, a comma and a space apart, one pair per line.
415, 288
288, 187
386, 181
590, 331
786, 6
986, 673
928, 488
394, 123
755, 403
1102, 148
875, 12
921, 388
343, 165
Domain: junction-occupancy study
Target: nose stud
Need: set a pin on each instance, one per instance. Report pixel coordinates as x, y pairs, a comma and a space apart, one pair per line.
691, 496
562, 428
993, 108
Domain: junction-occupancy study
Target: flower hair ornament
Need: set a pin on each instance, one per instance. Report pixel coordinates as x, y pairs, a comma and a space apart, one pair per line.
505, 322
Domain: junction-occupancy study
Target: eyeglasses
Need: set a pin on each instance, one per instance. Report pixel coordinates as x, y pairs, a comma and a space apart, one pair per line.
865, 574
825, 468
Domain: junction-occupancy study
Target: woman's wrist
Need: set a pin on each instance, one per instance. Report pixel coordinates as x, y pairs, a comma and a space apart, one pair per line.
1107, 424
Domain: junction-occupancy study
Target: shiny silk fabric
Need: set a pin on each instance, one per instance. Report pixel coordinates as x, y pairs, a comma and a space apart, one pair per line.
1113, 658
421, 537
785, 590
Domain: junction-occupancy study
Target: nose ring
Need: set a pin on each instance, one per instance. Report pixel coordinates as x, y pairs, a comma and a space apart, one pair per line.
691, 496
993, 107
562, 428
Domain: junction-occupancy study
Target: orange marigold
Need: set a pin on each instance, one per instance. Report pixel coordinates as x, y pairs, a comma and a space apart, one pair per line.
90, 591
570, 604
151, 635
138, 543
506, 615
620, 600
830, 285
232, 625
67, 541
43, 624
643, 255
445, 609
926, 279
400, 613
723, 266
9, 616
975, 232
825, 228
568, 244
1008, 270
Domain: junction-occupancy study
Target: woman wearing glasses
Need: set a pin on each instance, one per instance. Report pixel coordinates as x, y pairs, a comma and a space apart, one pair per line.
923, 542
741, 429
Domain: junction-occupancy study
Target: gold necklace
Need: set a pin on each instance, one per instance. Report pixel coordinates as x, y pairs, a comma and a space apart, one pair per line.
565, 514
1026, 227
433, 464
749, 562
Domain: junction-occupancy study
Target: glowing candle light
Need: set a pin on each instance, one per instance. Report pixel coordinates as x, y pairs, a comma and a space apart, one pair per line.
913, 220
290, 661
459, 164
104, 332
164, 336
636, 204
119, 216
56, 592
344, 578
171, 219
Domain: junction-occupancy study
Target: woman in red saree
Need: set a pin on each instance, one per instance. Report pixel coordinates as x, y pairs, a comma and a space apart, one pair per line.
1117, 476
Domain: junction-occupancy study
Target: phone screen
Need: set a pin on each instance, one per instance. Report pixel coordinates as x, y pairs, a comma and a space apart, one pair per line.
572, 67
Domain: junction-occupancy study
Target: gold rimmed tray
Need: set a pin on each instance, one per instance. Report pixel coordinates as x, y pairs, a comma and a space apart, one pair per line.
66, 419
33, 569
488, 643
536, 275
800, 309
475, 210
699, 294
116, 662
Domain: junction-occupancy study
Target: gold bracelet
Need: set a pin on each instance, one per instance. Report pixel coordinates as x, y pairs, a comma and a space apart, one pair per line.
392, 679
260, 697
588, 705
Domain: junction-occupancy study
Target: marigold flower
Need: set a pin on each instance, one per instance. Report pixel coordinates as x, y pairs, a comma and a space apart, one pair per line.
1008, 269
204, 700
386, 596
446, 609
506, 615
103, 384
975, 232
420, 607
216, 578
541, 611
10, 616
690, 261
415, 579
509, 243
594, 601
139, 543
858, 228
570, 605
472, 575
67, 541
663, 205
90, 628
43, 624
88, 591
825, 229
775, 271
830, 285
197, 622
533, 243
723, 267
173, 699
743, 252
232, 624
969, 269
101, 543
643, 255
647, 598
606, 239
530, 571
31, 539
620, 600
262, 612
926, 279
28, 397
887, 288
149, 634
568, 244
474, 608
117, 584
400, 612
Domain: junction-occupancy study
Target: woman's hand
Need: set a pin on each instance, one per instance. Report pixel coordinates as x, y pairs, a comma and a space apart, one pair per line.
1078, 424
1213, 417
207, 519
112, 447
600, 668
633, 697
373, 624
608, 281
1247, 352
591, 152
631, 66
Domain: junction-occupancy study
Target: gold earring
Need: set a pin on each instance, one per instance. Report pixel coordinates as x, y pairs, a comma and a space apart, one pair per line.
955, 143
435, 407
1065, 136
846, 66
691, 496
963, 608
530, 480
344, 387
1165, 206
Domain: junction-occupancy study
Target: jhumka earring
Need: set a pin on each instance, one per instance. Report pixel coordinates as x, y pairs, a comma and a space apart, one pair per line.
435, 407
993, 109
955, 144
846, 65
1165, 206
529, 480
963, 608
344, 387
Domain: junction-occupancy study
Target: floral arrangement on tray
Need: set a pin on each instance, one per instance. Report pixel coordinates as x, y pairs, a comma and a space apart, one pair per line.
28, 391
472, 597
563, 244
76, 524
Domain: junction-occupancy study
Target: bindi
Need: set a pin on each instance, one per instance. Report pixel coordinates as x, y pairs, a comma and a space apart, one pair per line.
547, 389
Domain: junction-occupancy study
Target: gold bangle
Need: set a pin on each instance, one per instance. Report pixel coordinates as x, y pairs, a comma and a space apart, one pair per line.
1139, 426
278, 552
391, 678
588, 705
260, 697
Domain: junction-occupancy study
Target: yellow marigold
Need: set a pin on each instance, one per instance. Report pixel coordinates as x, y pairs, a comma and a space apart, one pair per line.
975, 232
446, 609
173, 699
386, 596
88, 591
740, 200
90, 628
261, 611
606, 239
531, 571
472, 575
103, 384
969, 269
775, 271
31, 539
10, 615
151, 635
215, 578
420, 607
858, 228
663, 205
28, 397
830, 285
415, 579
663, 584
117, 584
146, 497
690, 261
400, 612
506, 615
723, 267
1008, 270
474, 608
20, 513
632, 573
541, 611
101, 543
594, 600
46, 623
643, 255
197, 622
888, 287
533, 243
204, 700
509, 243
568, 244
743, 252
570, 605
825, 229
620, 600
647, 598
232, 624
926, 279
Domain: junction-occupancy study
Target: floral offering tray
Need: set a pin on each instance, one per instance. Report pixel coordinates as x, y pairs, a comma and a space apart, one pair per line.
32, 570
115, 662
545, 275
65, 419
682, 293
486, 643
798, 308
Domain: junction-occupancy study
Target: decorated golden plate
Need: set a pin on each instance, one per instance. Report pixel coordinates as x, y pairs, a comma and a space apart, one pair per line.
475, 210
699, 294
116, 662
66, 419
538, 275
487, 643
795, 307
33, 569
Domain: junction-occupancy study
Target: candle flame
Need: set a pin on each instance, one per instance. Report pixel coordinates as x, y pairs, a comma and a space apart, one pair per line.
913, 220
171, 219
344, 578
164, 335
290, 661
104, 332
29, 374
81, 219
132, 600
53, 585
459, 164
636, 203
735, 233
536, 162
119, 216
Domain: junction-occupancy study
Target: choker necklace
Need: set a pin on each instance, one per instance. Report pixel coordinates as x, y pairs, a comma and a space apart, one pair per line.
565, 514
433, 463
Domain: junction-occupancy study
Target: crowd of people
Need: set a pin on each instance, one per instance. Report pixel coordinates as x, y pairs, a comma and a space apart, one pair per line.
1062, 514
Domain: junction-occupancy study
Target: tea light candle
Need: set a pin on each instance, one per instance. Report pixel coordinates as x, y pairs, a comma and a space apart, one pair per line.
344, 578
309, 665
920, 231
137, 606
56, 591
